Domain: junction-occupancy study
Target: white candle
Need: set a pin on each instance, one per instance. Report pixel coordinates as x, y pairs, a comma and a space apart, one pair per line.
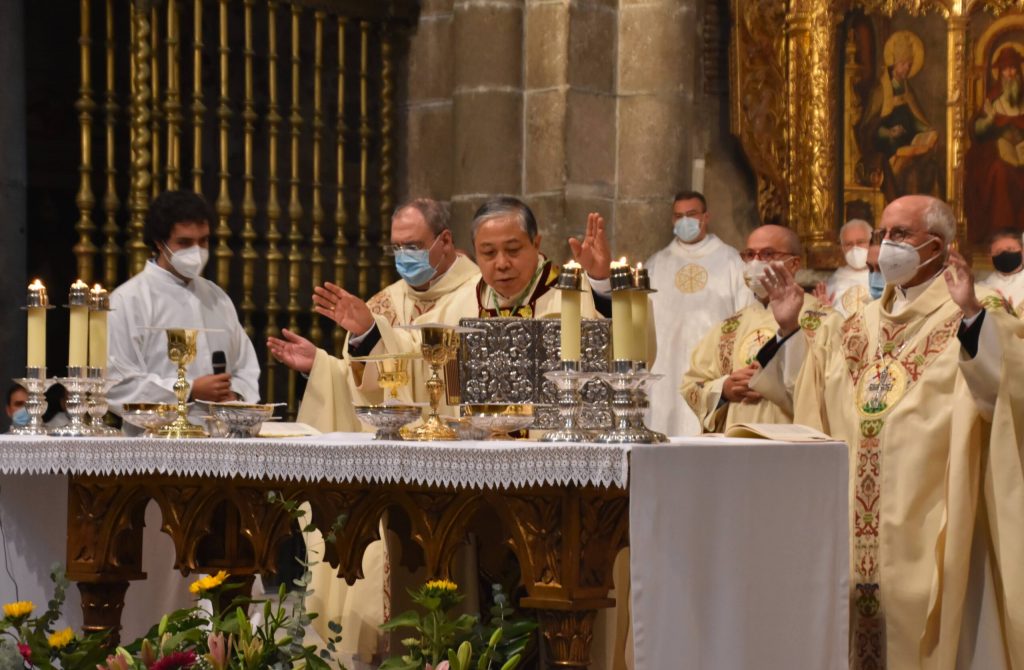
622, 311
78, 338
638, 299
37, 303
568, 284
98, 306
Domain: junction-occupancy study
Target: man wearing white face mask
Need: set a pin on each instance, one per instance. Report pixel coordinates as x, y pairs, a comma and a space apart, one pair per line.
847, 288
699, 282
923, 385
717, 384
170, 292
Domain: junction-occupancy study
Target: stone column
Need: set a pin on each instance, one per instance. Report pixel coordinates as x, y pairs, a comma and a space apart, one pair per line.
13, 178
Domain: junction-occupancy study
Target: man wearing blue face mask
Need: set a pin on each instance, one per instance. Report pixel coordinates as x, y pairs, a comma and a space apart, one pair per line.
923, 385
171, 292
699, 282
17, 412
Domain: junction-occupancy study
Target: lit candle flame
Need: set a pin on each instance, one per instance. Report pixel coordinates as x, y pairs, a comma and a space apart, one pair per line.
36, 286
79, 284
98, 290
621, 263
572, 265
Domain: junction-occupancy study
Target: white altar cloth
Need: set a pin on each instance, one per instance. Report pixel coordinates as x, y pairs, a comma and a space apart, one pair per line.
739, 555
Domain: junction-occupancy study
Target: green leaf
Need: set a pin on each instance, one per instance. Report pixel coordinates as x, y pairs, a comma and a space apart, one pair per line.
465, 655
405, 619
511, 663
334, 626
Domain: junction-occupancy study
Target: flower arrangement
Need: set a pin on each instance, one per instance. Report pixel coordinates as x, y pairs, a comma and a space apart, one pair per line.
442, 642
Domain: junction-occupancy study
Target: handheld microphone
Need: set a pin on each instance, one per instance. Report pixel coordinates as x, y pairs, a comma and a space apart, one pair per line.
220, 363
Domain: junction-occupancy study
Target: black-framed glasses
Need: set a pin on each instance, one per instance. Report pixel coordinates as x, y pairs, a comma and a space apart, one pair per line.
766, 255
895, 234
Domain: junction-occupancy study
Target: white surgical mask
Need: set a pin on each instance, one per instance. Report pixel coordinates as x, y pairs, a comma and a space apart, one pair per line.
753, 273
189, 262
687, 229
899, 261
857, 258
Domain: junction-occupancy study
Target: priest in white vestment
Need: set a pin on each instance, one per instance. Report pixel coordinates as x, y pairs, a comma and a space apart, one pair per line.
170, 292
699, 282
1007, 276
847, 288
922, 386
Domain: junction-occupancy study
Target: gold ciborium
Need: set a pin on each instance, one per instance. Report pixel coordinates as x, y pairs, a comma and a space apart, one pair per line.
393, 374
439, 343
181, 349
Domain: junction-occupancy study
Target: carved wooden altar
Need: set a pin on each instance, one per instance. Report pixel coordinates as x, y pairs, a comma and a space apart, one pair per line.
564, 537
787, 85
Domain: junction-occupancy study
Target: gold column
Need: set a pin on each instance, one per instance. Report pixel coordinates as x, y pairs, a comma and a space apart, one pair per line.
249, 255
317, 241
197, 97
155, 112
172, 105
141, 177
363, 260
85, 250
295, 256
111, 203
223, 205
956, 123
274, 255
386, 137
340, 214
812, 146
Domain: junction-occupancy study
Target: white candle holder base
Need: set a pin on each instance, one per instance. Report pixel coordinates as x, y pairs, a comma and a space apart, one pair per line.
98, 405
78, 385
647, 380
36, 384
569, 380
623, 380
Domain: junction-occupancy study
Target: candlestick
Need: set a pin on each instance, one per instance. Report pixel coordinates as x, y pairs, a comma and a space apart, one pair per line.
99, 305
570, 283
78, 339
640, 312
622, 311
37, 304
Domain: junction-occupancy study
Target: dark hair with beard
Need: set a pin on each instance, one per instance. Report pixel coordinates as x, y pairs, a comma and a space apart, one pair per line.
170, 208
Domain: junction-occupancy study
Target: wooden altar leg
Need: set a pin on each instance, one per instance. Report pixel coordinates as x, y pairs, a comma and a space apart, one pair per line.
568, 636
102, 603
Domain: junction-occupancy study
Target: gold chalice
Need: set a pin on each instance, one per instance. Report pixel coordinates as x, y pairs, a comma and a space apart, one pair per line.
181, 349
439, 343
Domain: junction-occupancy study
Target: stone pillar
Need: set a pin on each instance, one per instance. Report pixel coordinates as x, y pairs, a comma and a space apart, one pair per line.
13, 176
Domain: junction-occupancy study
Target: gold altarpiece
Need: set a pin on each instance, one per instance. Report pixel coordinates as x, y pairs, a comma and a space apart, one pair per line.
801, 77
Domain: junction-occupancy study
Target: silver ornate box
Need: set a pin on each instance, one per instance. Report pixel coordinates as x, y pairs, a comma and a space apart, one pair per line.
506, 364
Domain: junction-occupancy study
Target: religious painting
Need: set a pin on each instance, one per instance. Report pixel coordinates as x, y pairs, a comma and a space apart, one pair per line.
994, 162
894, 109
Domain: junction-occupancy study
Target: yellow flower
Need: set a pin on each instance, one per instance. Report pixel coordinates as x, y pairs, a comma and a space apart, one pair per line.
207, 583
19, 609
442, 585
61, 638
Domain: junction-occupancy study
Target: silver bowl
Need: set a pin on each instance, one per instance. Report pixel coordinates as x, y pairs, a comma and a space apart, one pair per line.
464, 430
498, 420
239, 419
149, 416
388, 419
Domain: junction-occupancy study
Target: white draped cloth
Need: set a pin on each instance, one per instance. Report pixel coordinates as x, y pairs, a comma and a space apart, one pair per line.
137, 348
698, 286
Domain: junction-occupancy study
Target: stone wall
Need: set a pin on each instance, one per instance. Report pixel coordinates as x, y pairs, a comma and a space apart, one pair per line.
577, 106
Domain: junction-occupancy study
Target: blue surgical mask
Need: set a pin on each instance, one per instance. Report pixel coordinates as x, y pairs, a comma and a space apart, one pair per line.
413, 265
876, 284
687, 229
21, 417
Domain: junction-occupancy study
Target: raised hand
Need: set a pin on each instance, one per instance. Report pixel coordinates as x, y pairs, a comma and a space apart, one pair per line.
785, 296
343, 308
593, 252
294, 351
960, 281
824, 297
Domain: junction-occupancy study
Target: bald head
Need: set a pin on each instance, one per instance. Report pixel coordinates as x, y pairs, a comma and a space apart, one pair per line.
776, 238
920, 213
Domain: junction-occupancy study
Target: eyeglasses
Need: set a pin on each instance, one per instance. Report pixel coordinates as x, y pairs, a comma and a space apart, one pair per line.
766, 255
896, 234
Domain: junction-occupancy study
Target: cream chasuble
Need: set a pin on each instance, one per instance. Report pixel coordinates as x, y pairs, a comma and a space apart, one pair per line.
849, 289
934, 440
1011, 287
730, 346
698, 285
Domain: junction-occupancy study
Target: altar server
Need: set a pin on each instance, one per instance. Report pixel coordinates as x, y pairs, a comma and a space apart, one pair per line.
699, 282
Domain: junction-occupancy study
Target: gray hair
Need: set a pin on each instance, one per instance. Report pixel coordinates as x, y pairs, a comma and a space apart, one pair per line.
436, 214
939, 220
505, 206
854, 223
